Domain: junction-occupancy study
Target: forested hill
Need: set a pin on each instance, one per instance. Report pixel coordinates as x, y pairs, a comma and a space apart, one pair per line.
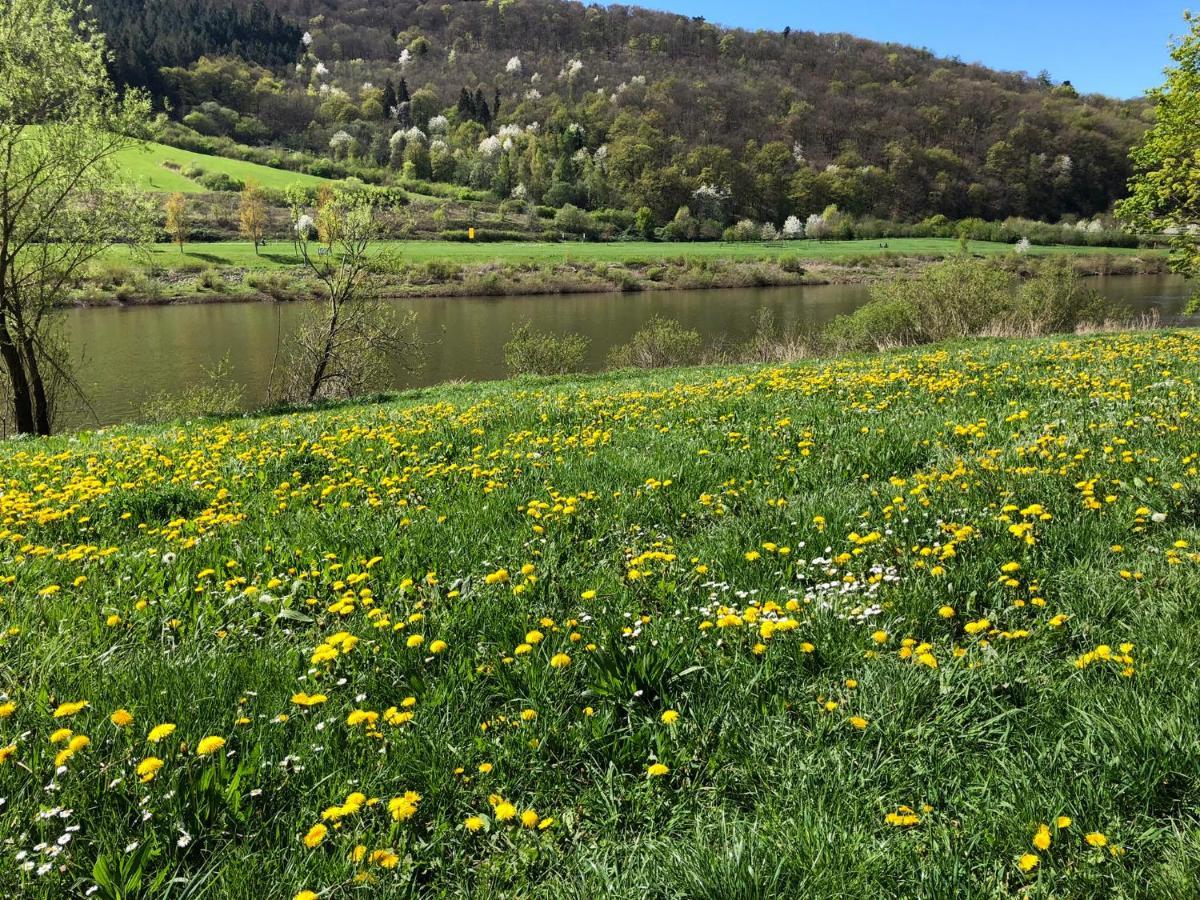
633, 108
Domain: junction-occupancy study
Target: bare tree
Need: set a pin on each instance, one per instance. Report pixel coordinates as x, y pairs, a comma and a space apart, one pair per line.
354, 339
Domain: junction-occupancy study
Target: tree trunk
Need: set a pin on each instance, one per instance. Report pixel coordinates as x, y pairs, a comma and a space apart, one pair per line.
37, 387
326, 352
21, 396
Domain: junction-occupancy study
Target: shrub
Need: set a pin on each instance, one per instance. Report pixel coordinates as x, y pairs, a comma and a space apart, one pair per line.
530, 352
216, 394
770, 343
1055, 301
659, 343
574, 220
219, 181
877, 326
953, 299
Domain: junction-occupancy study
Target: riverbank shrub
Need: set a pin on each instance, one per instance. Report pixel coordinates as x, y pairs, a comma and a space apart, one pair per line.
965, 297
530, 352
660, 343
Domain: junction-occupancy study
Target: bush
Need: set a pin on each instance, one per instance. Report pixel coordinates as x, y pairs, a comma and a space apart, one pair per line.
219, 181
953, 299
877, 326
574, 220
1055, 301
530, 352
659, 343
964, 297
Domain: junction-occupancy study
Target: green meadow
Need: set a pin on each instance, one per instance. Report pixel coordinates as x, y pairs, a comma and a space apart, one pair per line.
912, 624
142, 166
281, 253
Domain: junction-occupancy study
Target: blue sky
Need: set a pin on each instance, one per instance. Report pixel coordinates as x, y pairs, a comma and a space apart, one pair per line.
1115, 47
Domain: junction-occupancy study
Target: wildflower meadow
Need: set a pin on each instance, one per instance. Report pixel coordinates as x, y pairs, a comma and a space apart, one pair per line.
915, 624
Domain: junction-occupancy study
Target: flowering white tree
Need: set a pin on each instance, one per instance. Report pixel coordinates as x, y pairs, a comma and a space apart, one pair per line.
342, 143
306, 39
438, 125
514, 66
320, 69
1023, 246
405, 58
769, 232
816, 227
793, 228
490, 146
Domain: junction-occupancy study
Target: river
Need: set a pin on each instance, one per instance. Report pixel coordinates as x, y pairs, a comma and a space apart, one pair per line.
126, 355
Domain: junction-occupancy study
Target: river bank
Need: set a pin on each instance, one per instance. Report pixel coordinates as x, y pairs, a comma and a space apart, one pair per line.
208, 277
167, 350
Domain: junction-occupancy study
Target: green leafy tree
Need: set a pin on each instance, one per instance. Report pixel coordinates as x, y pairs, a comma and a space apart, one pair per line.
62, 202
1165, 190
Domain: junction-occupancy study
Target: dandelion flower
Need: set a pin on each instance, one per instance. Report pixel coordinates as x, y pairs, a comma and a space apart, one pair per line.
1063, 822
1028, 862
315, 835
1096, 839
1041, 840
657, 770
148, 768
560, 661
669, 717
529, 819
121, 718
159, 732
473, 824
210, 744
505, 812
69, 709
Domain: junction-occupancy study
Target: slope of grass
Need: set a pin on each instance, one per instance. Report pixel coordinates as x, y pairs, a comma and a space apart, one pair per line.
143, 166
281, 253
909, 625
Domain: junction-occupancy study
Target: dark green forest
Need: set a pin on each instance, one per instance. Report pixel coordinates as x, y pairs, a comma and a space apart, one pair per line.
671, 119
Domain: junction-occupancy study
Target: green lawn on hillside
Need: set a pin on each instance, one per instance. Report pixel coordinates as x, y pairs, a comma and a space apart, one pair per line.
143, 165
908, 625
279, 253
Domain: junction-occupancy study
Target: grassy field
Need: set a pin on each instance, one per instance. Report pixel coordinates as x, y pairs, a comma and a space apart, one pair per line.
143, 166
917, 624
281, 253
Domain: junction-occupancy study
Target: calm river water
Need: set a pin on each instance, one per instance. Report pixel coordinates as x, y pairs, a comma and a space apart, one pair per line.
127, 355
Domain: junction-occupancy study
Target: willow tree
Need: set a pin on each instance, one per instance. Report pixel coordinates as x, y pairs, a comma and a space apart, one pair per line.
62, 202
1165, 190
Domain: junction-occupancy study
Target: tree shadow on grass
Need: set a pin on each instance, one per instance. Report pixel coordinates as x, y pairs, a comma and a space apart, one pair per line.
283, 259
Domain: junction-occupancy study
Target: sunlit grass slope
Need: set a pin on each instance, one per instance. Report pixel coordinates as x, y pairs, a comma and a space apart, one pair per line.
908, 625
143, 166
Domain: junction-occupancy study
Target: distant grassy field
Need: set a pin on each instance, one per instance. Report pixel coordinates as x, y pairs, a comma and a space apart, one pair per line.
907, 625
280, 253
144, 167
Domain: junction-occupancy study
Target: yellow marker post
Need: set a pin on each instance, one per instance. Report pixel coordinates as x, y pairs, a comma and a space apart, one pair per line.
471, 233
